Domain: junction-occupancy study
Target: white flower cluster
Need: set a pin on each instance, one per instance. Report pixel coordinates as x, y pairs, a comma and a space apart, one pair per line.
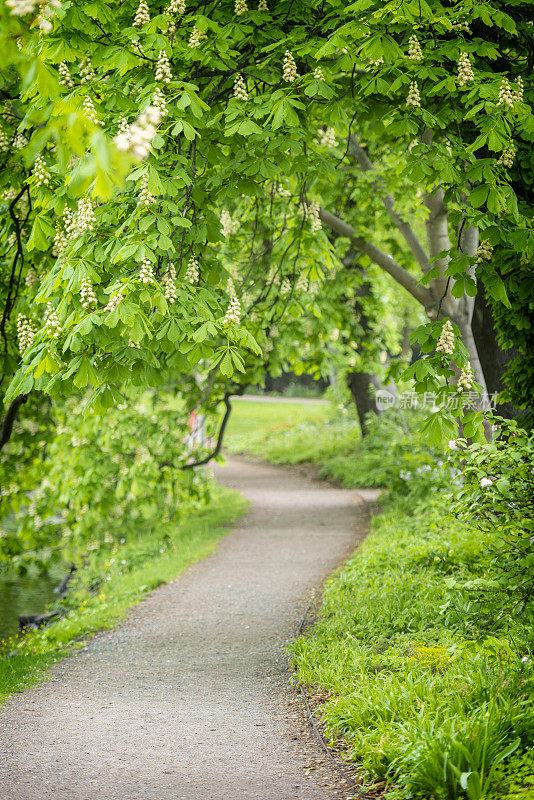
414, 49
228, 225
506, 159
445, 343
313, 214
484, 252
12, 239
233, 312
414, 98
84, 219
65, 78
142, 15
290, 73
328, 138
240, 88
509, 96
168, 282
146, 198
465, 381
262, 5
281, 191
192, 272
146, 273
43, 20
158, 101
301, 284
163, 68
123, 125
4, 141
19, 141
40, 173
484, 483
87, 73
376, 62
318, 74
87, 294
90, 111
19, 8
25, 332
113, 302
52, 323
31, 278
465, 70
196, 37
285, 287
240, 7
176, 7
138, 137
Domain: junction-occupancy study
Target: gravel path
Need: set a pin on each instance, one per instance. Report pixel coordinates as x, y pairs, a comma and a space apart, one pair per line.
184, 699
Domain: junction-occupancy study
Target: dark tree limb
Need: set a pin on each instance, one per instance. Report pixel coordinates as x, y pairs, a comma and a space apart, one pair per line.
10, 417
220, 438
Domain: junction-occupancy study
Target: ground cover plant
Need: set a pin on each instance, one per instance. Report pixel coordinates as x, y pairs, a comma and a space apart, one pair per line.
114, 578
428, 677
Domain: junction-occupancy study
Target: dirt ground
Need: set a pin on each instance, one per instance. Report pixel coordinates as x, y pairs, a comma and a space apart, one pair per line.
190, 697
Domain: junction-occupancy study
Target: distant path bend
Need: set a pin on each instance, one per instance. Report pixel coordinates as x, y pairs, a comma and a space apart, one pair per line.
183, 699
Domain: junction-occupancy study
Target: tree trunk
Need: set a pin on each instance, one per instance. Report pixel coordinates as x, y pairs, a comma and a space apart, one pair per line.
360, 384
493, 359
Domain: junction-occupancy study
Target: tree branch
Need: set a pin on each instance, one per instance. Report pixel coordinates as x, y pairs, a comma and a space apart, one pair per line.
215, 452
405, 229
388, 264
10, 417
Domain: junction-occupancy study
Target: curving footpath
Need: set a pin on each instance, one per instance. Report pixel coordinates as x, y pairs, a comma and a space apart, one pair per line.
182, 701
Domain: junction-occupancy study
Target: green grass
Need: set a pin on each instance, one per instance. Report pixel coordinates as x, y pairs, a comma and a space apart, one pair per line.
418, 691
129, 571
290, 433
430, 696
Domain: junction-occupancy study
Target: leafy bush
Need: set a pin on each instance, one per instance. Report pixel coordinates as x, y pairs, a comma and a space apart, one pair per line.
496, 497
425, 699
106, 478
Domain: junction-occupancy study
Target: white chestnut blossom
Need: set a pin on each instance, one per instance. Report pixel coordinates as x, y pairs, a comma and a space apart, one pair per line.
506, 159
138, 138
176, 7
114, 302
318, 74
163, 68
290, 73
465, 381
52, 323
507, 97
40, 173
445, 343
87, 294
262, 5
25, 333
90, 111
414, 49
328, 138
19, 8
158, 101
240, 7
168, 283
240, 88
192, 272
485, 482
142, 15
145, 197
146, 272
465, 70
484, 252
87, 73
196, 37
414, 98
228, 225
285, 287
65, 78
233, 312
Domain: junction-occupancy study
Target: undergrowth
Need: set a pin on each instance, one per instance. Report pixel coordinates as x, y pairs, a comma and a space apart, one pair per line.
111, 581
430, 691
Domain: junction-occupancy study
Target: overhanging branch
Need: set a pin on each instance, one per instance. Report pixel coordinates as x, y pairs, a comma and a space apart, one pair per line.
388, 264
10, 417
404, 228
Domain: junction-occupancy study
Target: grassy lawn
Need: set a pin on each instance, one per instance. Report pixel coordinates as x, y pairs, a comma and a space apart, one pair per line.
432, 698
131, 570
289, 433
